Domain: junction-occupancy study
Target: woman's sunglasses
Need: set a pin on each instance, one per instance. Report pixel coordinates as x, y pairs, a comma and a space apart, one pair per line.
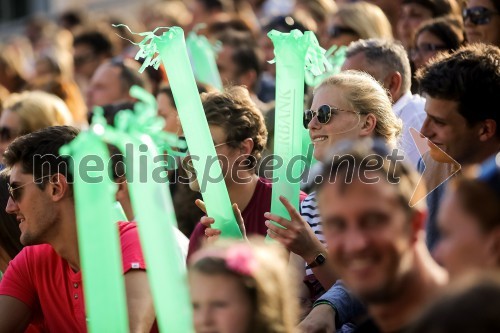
478, 15
324, 114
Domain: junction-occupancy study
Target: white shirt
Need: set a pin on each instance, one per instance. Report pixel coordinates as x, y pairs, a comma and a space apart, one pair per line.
410, 109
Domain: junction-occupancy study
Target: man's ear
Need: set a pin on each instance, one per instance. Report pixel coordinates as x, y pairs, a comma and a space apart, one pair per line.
59, 187
393, 83
487, 130
246, 146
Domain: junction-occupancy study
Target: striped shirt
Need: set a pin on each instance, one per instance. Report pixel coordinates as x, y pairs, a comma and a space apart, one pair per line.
310, 213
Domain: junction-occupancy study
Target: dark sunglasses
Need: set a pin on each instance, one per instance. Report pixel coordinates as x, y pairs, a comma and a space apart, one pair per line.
14, 192
6, 134
337, 31
324, 114
478, 15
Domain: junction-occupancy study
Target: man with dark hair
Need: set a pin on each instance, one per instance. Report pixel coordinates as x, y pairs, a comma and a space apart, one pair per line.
462, 92
112, 81
388, 62
90, 49
375, 239
43, 284
239, 62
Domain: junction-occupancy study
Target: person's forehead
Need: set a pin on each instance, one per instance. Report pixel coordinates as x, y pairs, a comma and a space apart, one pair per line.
330, 95
359, 192
359, 62
16, 174
106, 73
82, 48
442, 108
218, 132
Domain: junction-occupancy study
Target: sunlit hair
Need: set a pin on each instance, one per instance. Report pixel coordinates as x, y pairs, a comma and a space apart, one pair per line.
37, 110
364, 94
262, 269
368, 20
237, 114
387, 55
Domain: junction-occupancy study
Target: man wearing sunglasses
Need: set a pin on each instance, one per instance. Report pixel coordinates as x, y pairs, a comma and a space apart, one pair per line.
482, 21
388, 62
43, 283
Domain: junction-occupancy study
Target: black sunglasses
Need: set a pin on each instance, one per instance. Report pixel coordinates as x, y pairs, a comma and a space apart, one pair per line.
6, 134
478, 15
324, 113
337, 31
14, 192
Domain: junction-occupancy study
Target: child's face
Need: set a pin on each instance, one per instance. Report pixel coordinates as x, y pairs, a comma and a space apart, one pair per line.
220, 304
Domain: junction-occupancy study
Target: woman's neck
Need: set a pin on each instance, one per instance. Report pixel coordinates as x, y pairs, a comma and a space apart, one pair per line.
241, 193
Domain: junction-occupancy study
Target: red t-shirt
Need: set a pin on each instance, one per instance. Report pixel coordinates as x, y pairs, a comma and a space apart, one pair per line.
253, 215
45, 282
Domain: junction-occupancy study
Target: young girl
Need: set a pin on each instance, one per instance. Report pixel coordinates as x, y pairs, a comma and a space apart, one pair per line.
239, 287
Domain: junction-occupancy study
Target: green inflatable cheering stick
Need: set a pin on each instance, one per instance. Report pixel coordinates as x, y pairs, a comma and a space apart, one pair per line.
294, 52
98, 241
171, 49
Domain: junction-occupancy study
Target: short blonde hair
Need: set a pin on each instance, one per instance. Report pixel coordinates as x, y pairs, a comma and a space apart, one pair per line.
262, 269
37, 110
365, 94
368, 20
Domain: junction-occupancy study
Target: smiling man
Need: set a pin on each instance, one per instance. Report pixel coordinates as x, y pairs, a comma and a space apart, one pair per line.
43, 284
376, 240
462, 92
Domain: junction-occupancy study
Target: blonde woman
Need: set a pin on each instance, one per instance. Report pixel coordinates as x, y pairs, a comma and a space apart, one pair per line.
358, 20
30, 111
345, 106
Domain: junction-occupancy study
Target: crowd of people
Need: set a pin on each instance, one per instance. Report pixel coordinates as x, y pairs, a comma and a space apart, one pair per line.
358, 254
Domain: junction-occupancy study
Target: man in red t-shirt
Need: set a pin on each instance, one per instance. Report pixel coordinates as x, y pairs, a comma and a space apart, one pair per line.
239, 135
42, 285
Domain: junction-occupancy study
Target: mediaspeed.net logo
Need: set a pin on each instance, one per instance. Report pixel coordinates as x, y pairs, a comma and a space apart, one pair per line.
438, 167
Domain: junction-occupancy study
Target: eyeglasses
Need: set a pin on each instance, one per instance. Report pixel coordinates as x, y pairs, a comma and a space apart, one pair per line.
337, 31
478, 15
426, 48
6, 134
324, 114
223, 143
16, 196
